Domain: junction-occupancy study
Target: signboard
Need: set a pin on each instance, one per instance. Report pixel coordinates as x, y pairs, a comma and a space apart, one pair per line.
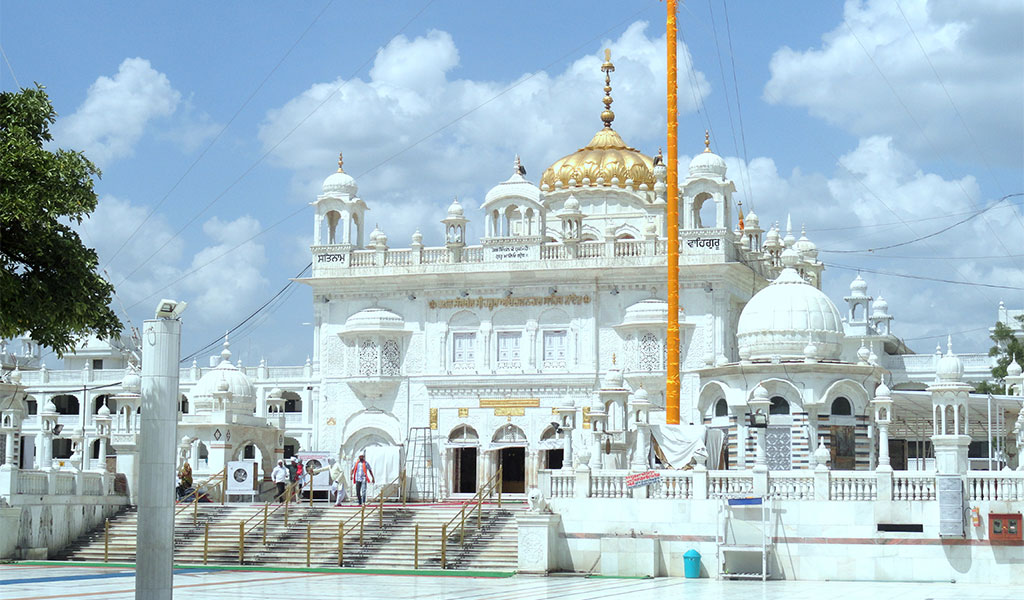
950, 493
241, 477
314, 461
509, 252
635, 480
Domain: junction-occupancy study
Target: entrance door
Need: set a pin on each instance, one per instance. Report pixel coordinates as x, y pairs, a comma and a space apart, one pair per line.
464, 471
554, 458
513, 470
843, 448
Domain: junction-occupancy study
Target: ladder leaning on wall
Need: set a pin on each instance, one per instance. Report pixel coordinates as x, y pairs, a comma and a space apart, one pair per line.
726, 549
421, 457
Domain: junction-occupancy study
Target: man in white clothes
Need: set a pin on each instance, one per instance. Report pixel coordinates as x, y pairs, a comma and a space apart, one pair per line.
361, 475
280, 476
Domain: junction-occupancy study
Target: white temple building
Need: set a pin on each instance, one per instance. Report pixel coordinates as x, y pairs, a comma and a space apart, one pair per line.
541, 348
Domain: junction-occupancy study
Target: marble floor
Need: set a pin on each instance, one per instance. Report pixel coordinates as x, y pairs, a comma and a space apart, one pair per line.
52, 582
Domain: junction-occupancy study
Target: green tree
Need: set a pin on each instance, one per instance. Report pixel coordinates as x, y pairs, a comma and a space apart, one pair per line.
49, 286
1007, 348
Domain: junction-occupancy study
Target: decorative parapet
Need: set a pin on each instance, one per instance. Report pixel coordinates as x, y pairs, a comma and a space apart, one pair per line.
18, 486
697, 246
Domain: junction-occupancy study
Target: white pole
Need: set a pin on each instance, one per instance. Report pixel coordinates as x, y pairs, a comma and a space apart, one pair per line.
161, 346
989, 432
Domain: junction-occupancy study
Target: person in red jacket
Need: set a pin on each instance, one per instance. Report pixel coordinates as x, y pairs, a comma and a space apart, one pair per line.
361, 475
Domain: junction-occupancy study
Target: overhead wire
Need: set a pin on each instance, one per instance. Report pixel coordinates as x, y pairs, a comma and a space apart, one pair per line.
9, 67
923, 277
302, 209
207, 148
739, 108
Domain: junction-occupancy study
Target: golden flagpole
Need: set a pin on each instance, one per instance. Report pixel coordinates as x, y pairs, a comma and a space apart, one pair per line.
672, 368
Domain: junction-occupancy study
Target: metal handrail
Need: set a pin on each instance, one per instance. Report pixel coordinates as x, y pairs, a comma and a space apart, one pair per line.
378, 504
288, 493
222, 475
490, 486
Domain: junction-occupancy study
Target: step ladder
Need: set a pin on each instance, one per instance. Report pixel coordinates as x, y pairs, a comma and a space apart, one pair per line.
736, 556
420, 463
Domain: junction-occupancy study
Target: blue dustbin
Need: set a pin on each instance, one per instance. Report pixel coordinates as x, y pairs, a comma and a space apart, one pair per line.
691, 564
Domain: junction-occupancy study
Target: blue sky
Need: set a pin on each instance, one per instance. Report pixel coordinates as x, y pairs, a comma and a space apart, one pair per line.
871, 123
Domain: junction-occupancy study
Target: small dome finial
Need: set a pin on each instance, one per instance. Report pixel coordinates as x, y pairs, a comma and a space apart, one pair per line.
225, 354
707, 141
341, 161
607, 115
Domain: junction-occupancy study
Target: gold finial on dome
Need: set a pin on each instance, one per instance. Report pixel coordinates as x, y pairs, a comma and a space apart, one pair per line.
607, 115
707, 141
341, 161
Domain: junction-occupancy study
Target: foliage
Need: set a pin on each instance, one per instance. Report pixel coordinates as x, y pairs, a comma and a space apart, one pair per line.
49, 286
1006, 349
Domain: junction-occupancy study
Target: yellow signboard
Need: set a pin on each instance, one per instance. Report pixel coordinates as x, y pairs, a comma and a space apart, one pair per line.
509, 402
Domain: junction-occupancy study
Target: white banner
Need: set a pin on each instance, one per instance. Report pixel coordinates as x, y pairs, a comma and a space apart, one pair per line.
241, 476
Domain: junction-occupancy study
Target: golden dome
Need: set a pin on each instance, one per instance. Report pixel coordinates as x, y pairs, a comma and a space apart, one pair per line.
606, 157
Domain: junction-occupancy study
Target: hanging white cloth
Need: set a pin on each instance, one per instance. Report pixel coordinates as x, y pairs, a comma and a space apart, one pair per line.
713, 440
385, 461
680, 443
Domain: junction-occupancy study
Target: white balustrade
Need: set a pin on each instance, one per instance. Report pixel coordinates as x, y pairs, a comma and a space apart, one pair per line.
853, 485
998, 485
730, 483
93, 484
473, 254
401, 257
286, 373
363, 258
434, 256
33, 484
563, 484
629, 247
64, 484
677, 485
913, 485
591, 250
609, 484
791, 485
553, 252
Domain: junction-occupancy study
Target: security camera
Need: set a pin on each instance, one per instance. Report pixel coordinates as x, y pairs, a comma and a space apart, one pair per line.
57, 429
170, 309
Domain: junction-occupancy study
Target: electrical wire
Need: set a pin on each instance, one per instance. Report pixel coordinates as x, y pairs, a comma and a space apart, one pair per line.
977, 213
9, 67
923, 277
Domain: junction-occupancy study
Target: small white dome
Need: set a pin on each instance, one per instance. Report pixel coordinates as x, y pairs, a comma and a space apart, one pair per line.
571, 205
805, 246
340, 184
771, 239
863, 354
640, 396
780, 319
1013, 369
417, 237
455, 209
880, 307
131, 382
612, 379
50, 407
707, 163
104, 411
225, 377
648, 312
858, 287
882, 391
752, 220
949, 368
760, 394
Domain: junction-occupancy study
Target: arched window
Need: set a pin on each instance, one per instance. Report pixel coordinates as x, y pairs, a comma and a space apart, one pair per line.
721, 408
66, 404
183, 405
779, 406
32, 406
841, 406
249, 452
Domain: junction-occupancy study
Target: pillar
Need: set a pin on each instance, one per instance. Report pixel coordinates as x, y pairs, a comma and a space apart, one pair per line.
161, 347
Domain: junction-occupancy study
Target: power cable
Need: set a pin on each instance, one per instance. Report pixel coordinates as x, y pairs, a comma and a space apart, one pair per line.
977, 147
263, 156
417, 142
9, 67
210, 145
930, 235
923, 278
739, 109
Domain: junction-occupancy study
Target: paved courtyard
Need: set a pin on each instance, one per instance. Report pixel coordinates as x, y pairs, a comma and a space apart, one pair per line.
46, 582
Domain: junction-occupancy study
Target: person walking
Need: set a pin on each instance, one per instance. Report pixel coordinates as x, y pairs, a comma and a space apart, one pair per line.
280, 477
361, 475
293, 471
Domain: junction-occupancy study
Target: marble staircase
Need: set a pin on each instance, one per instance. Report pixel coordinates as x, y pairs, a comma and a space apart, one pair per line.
310, 537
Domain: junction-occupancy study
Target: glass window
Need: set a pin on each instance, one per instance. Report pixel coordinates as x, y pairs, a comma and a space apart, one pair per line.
779, 406
462, 347
508, 346
554, 345
721, 408
841, 406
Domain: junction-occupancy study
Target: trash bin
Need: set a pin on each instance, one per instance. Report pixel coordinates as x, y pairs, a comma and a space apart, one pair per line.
691, 564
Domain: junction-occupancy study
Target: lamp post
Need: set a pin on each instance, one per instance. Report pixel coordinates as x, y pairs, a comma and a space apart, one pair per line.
759, 405
102, 422
47, 429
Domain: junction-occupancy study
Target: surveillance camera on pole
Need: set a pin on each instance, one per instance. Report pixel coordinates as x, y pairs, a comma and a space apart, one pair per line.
161, 349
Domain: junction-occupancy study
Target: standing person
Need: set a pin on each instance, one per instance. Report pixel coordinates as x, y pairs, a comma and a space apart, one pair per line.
280, 477
361, 475
300, 477
337, 480
293, 470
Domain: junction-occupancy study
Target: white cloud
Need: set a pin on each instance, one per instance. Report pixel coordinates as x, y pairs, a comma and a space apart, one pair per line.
116, 111
224, 288
975, 47
409, 94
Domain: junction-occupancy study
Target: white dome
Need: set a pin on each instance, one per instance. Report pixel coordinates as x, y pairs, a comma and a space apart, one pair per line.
648, 312
131, 382
612, 379
226, 377
340, 185
805, 246
374, 319
572, 205
752, 220
880, 307
707, 163
882, 391
515, 186
640, 396
1013, 369
455, 209
858, 287
949, 368
780, 319
104, 411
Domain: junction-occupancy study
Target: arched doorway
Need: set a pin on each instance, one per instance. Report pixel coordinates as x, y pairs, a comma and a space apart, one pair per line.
509, 442
552, 450
464, 444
